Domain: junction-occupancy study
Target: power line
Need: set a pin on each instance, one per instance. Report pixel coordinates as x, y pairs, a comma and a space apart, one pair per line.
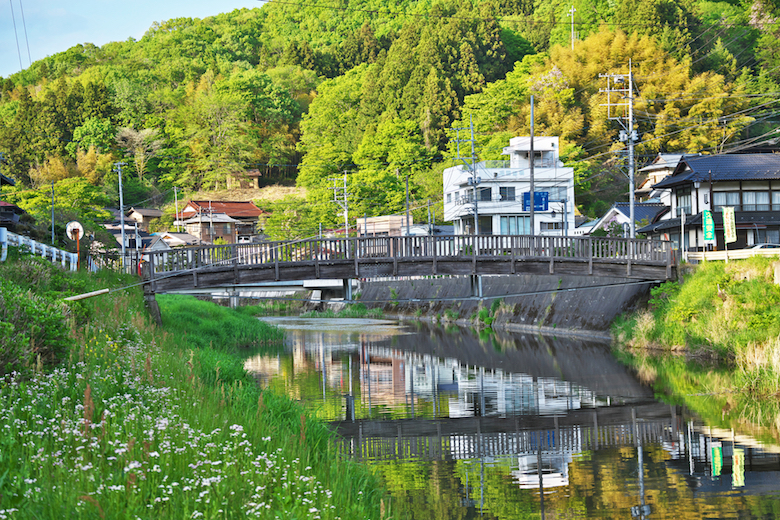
27, 41
16, 34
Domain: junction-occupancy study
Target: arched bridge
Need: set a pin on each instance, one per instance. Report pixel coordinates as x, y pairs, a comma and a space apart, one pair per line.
371, 257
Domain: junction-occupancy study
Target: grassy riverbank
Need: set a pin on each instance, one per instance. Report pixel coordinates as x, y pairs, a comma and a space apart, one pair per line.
713, 341
105, 415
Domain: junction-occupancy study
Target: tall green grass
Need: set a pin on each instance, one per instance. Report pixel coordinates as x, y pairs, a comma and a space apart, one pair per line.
713, 341
137, 421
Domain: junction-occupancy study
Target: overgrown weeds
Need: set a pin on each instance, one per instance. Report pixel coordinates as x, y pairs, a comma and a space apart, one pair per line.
141, 422
725, 322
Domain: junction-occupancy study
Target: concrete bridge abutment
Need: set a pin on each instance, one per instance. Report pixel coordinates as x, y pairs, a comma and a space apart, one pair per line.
524, 302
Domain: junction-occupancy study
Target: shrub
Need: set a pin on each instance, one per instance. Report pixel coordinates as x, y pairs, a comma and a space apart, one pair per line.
30, 326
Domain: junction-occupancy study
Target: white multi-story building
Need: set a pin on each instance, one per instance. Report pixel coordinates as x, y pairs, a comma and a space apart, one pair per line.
500, 194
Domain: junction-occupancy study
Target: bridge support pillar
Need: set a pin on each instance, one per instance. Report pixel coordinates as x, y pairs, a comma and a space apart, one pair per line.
233, 298
476, 286
347, 282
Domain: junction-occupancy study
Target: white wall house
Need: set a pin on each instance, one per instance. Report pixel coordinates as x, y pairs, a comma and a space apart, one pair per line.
500, 187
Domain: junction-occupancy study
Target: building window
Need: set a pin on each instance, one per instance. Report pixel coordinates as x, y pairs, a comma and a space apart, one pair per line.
755, 201
449, 198
516, 225
547, 226
684, 200
507, 193
485, 194
557, 193
776, 200
725, 198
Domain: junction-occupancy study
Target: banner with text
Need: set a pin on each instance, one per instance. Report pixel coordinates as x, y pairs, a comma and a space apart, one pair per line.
729, 225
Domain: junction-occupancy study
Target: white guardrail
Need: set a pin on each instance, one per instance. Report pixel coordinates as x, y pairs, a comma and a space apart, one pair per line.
68, 260
734, 254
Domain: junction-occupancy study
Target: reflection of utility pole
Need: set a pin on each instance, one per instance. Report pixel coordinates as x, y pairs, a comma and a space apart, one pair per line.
623, 86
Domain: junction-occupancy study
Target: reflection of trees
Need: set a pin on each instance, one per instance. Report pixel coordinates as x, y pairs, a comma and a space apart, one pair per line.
424, 490
602, 484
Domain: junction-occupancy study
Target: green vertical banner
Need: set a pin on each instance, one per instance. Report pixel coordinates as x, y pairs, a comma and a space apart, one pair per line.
729, 225
709, 225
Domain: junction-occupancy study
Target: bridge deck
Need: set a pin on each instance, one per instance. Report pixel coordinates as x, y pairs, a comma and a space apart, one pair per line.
225, 265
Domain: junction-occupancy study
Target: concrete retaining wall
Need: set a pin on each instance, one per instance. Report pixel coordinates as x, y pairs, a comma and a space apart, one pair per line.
527, 302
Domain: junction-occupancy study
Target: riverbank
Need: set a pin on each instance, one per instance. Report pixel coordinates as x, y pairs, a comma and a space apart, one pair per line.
713, 341
105, 415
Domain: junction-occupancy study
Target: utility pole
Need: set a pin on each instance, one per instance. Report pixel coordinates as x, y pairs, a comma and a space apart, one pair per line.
176, 202
573, 36
121, 211
346, 208
473, 179
622, 86
340, 196
52, 213
407, 204
532, 159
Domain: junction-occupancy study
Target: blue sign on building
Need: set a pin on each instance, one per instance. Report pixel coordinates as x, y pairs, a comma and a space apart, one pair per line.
541, 199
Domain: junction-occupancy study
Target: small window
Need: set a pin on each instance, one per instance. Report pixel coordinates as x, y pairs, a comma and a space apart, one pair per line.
507, 193
755, 201
684, 200
449, 198
726, 198
485, 194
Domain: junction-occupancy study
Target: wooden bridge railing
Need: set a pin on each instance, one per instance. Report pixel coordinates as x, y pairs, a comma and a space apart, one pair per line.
646, 252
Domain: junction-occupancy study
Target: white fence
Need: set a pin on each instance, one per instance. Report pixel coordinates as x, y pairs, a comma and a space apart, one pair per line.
68, 260
736, 254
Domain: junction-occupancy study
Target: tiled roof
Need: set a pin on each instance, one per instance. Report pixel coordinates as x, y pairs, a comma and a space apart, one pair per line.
642, 210
737, 167
233, 209
146, 212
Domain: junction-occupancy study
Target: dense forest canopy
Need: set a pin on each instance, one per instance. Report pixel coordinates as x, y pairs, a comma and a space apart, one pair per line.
306, 92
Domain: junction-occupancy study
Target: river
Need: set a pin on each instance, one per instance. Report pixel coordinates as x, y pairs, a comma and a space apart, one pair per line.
461, 424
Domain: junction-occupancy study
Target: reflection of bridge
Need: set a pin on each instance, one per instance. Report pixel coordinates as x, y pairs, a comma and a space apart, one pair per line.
346, 258
474, 437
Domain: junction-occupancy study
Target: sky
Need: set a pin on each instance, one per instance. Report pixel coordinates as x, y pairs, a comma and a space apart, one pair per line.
55, 25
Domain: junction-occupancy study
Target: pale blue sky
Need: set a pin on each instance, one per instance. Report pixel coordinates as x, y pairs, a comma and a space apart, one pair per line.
56, 25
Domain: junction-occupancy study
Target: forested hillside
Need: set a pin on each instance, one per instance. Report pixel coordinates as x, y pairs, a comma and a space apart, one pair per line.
304, 92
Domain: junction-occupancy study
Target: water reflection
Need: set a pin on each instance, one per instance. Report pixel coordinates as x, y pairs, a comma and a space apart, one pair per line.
508, 426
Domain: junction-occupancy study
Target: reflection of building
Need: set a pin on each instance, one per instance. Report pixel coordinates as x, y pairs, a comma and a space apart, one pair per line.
554, 470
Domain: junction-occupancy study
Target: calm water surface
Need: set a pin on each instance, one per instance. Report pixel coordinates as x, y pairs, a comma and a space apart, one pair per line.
500, 425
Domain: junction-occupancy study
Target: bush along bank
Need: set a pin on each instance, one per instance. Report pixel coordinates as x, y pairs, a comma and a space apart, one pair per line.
113, 417
713, 342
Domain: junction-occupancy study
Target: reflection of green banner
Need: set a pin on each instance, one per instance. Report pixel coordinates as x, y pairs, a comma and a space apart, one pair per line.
738, 468
729, 225
709, 225
717, 460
